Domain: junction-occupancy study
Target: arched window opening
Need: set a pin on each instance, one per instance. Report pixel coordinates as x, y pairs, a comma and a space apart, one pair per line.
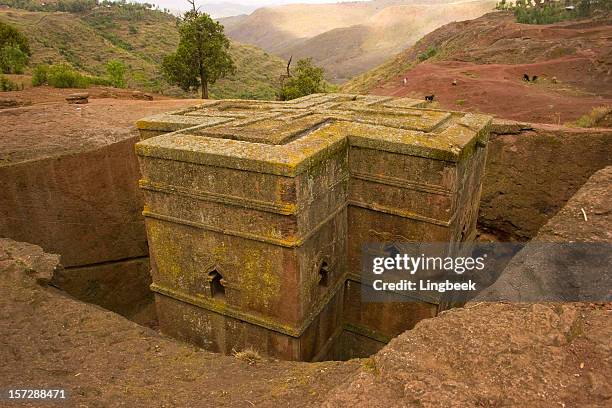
217, 284
324, 274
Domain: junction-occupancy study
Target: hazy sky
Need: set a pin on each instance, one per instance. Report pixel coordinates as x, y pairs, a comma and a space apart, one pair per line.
230, 7
254, 3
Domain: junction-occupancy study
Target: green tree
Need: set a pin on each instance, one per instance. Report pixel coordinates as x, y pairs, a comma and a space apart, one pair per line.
307, 79
12, 60
14, 50
202, 56
116, 73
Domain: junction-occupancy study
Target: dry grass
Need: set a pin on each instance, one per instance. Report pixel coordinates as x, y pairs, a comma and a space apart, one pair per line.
369, 364
249, 355
592, 118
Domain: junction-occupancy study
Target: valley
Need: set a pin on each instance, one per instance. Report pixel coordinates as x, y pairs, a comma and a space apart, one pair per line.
347, 39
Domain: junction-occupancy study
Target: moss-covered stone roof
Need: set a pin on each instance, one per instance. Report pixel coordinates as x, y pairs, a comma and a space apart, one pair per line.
286, 137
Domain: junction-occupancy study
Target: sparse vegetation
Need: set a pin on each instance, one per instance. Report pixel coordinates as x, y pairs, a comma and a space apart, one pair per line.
115, 70
553, 11
307, 79
460, 102
249, 355
7, 85
369, 364
592, 118
78, 39
64, 76
77, 6
428, 53
39, 75
12, 60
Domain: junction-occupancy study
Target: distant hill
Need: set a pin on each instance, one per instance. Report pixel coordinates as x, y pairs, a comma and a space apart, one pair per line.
348, 38
140, 38
224, 9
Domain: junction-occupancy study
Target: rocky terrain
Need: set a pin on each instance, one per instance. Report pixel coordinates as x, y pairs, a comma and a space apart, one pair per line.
569, 259
487, 354
50, 340
532, 170
69, 178
51, 127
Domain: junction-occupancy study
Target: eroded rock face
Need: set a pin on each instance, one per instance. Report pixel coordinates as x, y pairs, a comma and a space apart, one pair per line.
549, 268
69, 182
509, 354
532, 170
84, 206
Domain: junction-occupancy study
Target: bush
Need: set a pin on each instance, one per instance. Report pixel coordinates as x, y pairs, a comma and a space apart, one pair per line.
9, 35
593, 118
428, 53
547, 14
14, 50
307, 79
503, 5
39, 75
116, 73
12, 60
95, 80
7, 85
64, 76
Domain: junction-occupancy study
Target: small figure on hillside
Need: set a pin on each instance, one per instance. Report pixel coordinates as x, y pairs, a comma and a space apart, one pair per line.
405, 81
454, 82
554, 80
525, 77
535, 78
430, 98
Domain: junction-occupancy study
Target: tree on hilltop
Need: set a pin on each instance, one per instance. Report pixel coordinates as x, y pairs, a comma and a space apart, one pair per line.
202, 56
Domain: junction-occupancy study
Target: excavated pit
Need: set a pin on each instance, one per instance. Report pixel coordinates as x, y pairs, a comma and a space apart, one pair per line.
486, 354
512, 207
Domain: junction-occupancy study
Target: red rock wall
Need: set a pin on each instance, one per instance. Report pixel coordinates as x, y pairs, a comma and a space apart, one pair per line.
85, 206
530, 174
